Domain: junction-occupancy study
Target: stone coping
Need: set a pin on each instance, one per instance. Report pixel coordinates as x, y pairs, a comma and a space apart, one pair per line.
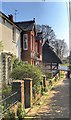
22, 80
19, 81
27, 78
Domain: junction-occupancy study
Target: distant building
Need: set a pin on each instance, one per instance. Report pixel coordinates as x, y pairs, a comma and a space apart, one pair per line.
49, 58
10, 38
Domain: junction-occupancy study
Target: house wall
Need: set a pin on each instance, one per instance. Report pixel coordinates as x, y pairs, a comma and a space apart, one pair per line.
9, 47
7, 38
28, 55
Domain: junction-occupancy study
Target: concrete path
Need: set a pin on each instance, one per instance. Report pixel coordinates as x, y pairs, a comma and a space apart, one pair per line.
57, 104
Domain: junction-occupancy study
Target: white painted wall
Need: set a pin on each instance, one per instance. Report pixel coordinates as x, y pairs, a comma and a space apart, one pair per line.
7, 38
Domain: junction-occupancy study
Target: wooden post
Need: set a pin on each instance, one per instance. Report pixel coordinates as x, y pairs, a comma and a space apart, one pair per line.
51, 66
44, 82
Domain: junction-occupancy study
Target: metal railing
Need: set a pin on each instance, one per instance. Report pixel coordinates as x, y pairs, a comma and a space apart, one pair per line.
8, 102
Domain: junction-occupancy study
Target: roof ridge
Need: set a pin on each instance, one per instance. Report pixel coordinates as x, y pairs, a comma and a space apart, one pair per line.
10, 21
25, 21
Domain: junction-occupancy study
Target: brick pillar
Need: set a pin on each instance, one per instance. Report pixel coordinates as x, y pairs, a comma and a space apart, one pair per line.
22, 93
18, 86
28, 92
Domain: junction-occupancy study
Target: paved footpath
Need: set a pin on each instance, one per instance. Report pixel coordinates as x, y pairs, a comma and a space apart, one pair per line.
56, 105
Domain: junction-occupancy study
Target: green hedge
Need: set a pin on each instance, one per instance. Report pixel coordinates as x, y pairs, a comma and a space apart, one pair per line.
22, 71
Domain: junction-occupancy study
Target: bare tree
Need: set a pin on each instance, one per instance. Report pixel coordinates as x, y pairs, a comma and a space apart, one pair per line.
47, 32
60, 47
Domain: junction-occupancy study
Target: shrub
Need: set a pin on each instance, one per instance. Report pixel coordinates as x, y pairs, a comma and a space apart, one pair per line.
20, 111
6, 90
49, 75
50, 83
10, 115
22, 71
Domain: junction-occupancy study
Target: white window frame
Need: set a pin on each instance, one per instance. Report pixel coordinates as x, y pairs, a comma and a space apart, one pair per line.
25, 40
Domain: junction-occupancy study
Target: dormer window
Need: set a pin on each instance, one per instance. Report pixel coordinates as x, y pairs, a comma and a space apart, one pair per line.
25, 42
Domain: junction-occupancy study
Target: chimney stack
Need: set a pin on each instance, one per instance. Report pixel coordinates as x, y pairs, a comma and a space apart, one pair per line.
11, 17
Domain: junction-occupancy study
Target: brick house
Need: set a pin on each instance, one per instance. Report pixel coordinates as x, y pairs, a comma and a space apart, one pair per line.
10, 38
31, 47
